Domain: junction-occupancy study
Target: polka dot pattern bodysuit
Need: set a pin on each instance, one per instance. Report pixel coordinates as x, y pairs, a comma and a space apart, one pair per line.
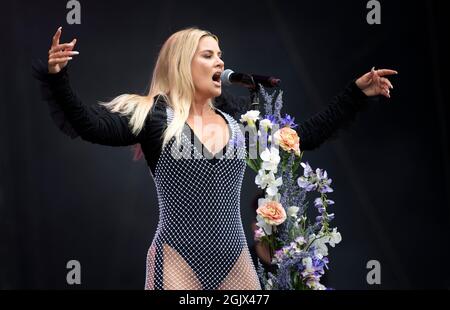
200, 242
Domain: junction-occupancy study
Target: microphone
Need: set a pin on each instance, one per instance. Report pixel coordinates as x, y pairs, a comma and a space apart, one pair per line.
229, 77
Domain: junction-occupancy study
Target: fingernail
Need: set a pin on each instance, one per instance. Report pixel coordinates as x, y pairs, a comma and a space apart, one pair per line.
75, 53
70, 58
60, 27
373, 68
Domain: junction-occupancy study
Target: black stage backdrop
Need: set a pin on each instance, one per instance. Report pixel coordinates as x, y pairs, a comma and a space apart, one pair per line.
64, 199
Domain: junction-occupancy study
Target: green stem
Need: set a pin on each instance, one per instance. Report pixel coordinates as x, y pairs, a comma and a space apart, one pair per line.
317, 238
271, 245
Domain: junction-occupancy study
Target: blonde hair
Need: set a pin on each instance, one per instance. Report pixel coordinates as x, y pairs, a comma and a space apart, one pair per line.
171, 79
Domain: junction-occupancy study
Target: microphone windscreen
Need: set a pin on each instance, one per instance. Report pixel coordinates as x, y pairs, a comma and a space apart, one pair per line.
225, 77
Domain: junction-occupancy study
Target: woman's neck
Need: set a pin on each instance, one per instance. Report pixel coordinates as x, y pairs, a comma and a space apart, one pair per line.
200, 107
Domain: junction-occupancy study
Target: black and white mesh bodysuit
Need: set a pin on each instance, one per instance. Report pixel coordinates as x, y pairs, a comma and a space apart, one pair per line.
200, 242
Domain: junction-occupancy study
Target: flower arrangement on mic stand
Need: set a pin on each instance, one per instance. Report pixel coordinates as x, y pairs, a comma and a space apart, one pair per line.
298, 247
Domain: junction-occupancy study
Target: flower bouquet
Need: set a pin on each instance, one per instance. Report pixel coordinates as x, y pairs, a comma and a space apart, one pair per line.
298, 247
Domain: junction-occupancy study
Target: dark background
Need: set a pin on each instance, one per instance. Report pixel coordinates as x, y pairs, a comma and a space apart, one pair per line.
63, 199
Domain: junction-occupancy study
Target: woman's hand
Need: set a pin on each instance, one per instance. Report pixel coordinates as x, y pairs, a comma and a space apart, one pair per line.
374, 83
60, 54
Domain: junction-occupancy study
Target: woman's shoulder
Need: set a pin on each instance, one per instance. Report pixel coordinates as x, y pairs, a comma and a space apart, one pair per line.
158, 111
156, 120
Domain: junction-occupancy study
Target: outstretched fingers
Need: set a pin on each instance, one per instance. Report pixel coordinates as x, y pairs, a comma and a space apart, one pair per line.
56, 37
63, 54
60, 47
385, 92
55, 61
386, 82
383, 72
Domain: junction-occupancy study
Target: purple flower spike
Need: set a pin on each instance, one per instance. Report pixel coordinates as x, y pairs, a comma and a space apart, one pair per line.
318, 202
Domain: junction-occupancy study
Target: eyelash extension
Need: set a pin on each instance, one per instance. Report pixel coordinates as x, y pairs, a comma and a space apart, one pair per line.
209, 56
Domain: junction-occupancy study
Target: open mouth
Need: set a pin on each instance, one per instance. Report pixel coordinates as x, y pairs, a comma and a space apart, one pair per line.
216, 77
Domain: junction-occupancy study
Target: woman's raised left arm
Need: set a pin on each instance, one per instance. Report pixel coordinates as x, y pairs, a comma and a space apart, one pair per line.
341, 112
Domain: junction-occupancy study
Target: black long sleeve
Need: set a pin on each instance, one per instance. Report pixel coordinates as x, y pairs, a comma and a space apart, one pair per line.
93, 123
339, 114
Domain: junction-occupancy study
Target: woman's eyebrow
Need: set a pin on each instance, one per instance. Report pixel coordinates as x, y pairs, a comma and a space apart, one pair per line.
211, 51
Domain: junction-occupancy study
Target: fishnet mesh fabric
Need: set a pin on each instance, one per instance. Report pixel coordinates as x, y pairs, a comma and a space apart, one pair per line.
200, 242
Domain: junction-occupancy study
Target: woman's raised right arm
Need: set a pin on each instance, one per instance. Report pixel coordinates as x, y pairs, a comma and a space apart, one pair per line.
93, 123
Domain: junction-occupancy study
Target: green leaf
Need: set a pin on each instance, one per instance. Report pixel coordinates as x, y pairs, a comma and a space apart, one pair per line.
252, 165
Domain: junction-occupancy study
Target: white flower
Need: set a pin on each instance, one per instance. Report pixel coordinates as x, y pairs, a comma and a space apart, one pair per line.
321, 251
272, 189
315, 284
250, 117
319, 244
335, 237
300, 240
307, 262
319, 286
271, 159
266, 124
276, 198
293, 246
267, 228
269, 284
268, 180
292, 211
263, 179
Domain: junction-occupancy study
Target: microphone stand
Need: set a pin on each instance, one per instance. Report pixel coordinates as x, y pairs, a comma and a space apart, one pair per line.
254, 105
254, 96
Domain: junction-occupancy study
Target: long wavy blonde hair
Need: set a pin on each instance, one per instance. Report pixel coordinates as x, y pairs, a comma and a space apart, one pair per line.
171, 79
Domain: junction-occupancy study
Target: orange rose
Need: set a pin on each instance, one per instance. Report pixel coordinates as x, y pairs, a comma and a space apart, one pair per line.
288, 139
272, 212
